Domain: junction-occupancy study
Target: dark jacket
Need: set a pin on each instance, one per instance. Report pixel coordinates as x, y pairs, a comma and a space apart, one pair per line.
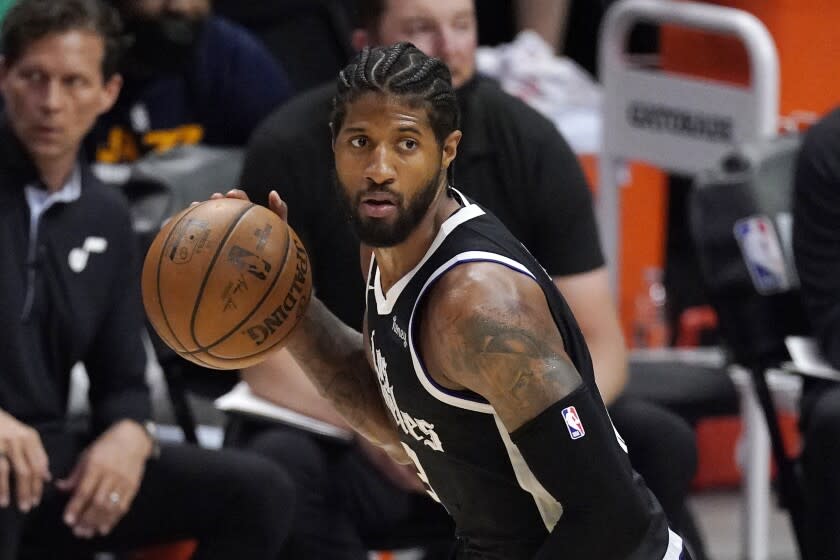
93, 315
816, 231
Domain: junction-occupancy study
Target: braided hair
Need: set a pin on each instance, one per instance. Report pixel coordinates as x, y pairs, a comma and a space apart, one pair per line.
400, 70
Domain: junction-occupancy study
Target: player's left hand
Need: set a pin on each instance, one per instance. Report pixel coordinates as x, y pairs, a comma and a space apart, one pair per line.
106, 479
275, 203
403, 477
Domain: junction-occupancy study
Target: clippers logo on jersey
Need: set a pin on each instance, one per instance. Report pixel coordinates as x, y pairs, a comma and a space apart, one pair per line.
573, 422
417, 428
762, 254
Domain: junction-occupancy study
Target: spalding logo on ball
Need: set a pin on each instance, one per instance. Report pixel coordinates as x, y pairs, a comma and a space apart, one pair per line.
224, 283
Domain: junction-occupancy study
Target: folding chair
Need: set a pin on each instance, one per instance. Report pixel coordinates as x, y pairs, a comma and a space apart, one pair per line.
741, 225
679, 123
157, 187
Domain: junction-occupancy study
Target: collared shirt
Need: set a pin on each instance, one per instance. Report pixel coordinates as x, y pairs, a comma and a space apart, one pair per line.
68, 293
39, 199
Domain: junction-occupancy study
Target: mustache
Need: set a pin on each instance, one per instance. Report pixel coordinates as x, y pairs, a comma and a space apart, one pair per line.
373, 187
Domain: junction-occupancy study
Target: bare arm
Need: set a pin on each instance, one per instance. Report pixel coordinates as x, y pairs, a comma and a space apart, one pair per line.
546, 17
492, 332
280, 380
588, 295
334, 358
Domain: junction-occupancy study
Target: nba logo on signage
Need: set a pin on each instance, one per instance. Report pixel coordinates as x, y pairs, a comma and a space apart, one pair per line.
762, 254
573, 422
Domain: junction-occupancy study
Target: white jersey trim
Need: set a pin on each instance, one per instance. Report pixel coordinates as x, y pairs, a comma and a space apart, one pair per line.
550, 509
675, 547
385, 301
419, 370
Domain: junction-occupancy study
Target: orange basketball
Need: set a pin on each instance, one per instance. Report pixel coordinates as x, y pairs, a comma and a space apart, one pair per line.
224, 282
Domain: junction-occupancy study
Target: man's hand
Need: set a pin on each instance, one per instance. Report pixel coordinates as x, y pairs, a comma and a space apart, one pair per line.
106, 479
403, 476
22, 453
275, 203
333, 356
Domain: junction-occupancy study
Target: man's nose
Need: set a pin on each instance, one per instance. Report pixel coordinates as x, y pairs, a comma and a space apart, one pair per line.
53, 96
184, 7
380, 168
446, 46
177, 4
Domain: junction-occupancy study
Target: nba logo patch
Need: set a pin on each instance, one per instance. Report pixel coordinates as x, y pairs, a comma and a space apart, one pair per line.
762, 254
573, 422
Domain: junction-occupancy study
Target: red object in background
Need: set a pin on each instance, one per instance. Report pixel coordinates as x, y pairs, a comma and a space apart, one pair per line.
694, 321
644, 203
805, 34
181, 550
717, 440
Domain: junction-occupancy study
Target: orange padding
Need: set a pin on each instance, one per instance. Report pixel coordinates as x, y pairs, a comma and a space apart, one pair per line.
644, 205
805, 34
182, 550
717, 438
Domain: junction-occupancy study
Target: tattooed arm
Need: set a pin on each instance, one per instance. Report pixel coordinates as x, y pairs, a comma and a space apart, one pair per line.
489, 329
335, 359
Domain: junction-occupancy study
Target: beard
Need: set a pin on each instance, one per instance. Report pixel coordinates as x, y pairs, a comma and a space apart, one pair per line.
378, 232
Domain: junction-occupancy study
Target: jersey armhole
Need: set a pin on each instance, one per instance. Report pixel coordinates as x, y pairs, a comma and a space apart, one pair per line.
460, 398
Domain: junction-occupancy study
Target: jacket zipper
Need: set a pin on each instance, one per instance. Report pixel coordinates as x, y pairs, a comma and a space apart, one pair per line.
31, 270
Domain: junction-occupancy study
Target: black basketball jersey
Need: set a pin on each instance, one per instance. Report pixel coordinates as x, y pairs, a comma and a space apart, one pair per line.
459, 445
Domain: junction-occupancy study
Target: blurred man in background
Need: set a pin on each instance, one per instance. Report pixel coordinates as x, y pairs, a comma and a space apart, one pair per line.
190, 78
816, 244
69, 292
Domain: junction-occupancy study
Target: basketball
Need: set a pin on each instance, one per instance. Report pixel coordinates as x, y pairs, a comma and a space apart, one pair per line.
224, 282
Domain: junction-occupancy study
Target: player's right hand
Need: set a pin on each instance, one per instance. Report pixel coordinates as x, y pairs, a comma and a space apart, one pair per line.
21, 454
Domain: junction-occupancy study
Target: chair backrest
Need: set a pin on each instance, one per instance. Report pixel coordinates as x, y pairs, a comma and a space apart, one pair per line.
676, 122
310, 38
160, 185
740, 213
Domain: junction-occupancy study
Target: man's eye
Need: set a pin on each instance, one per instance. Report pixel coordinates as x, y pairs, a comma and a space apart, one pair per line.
33, 76
408, 144
358, 142
73, 81
418, 27
463, 24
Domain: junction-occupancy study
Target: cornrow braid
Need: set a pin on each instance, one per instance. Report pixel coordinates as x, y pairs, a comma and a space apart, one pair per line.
361, 75
422, 73
391, 58
400, 70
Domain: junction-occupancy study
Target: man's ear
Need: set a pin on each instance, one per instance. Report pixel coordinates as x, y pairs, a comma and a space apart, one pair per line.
110, 92
450, 147
3, 72
360, 39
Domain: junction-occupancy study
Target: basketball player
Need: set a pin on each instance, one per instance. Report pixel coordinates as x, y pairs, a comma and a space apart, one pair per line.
471, 365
